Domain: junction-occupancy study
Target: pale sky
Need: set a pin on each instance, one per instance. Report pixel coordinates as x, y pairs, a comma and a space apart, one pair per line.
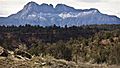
111, 7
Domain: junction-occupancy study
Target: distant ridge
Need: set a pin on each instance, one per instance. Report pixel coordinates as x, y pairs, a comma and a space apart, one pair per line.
61, 15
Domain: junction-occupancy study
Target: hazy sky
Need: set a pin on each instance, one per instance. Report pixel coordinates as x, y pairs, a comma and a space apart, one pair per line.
111, 7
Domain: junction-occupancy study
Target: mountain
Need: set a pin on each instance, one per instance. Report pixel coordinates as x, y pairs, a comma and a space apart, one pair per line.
61, 15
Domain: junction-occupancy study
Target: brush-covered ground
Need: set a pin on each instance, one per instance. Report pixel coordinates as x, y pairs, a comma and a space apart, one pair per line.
45, 62
93, 46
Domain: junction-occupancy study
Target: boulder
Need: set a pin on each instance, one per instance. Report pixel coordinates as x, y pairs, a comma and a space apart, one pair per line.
105, 41
3, 52
23, 54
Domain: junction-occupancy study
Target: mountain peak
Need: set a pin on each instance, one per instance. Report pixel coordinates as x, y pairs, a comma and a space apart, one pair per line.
91, 9
46, 5
60, 5
64, 8
32, 7
32, 3
94, 9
